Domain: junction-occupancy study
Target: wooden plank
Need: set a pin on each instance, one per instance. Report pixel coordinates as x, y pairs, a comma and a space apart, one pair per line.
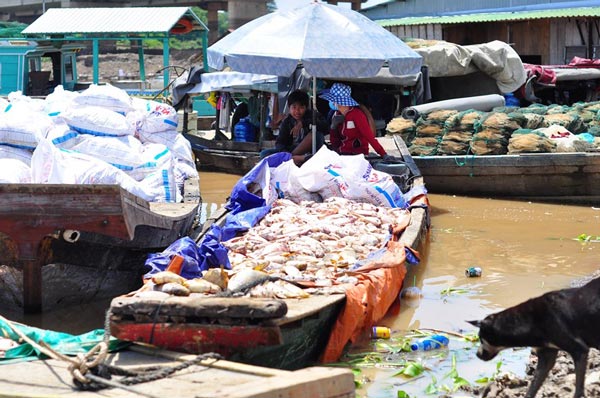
193, 307
315, 382
209, 379
302, 308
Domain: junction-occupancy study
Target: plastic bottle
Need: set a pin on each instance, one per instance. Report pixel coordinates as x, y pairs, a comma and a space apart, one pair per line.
430, 343
243, 131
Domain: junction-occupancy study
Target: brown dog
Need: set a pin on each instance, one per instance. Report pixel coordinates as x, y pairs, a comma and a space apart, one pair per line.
567, 319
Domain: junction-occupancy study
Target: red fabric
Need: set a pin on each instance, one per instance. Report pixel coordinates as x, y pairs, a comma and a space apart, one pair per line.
585, 62
355, 129
544, 74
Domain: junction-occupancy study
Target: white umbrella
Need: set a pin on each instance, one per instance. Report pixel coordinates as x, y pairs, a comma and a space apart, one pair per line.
327, 40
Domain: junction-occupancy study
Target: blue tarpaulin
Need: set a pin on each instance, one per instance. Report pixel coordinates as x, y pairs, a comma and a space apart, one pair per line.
246, 209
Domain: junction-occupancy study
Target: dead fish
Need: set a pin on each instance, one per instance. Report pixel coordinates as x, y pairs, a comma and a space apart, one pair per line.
199, 285
175, 289
217, 276
246, 279
282, 289
167, 277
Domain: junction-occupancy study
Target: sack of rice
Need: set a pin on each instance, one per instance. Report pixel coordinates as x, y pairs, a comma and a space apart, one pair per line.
105, 96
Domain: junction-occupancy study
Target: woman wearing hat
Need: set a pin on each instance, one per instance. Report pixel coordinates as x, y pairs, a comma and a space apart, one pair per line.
354, 135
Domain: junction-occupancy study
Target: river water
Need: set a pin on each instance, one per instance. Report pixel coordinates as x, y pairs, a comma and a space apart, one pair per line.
524, 249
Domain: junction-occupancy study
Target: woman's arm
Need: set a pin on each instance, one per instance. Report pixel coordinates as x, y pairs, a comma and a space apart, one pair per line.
363, 125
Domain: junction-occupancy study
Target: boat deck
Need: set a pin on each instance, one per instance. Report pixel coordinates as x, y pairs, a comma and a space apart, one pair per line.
211, 378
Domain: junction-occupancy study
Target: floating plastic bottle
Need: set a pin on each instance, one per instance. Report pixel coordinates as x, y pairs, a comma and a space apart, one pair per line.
380, 332
430, 343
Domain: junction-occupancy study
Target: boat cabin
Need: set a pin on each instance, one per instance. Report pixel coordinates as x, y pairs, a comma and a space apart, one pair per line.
36, 67
60, 34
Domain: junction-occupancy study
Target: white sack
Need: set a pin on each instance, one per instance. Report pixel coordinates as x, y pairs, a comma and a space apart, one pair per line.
99, 121
105, 96
13, 171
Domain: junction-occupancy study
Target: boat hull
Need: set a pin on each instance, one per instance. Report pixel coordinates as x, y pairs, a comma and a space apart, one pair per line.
550, 177
283, 343
67, 244
225, 156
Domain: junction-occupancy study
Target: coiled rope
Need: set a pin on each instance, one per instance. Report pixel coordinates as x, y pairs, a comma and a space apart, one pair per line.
90, 373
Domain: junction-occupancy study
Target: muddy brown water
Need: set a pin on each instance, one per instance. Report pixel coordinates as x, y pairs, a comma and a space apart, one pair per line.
524, 249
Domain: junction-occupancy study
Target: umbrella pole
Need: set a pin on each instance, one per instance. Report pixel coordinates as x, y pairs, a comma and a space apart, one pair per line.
314, 116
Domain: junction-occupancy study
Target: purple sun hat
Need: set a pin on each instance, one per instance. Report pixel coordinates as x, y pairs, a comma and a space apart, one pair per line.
340, 94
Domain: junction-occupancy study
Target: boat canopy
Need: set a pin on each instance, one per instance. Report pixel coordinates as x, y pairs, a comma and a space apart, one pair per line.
130, 23
235, 82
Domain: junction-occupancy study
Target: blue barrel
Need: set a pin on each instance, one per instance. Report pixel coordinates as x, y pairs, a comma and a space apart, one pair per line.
244, 131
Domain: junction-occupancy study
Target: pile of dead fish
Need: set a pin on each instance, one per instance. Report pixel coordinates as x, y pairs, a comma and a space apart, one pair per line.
294, 251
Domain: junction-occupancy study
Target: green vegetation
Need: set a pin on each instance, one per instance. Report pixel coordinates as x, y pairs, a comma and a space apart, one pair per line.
11, 29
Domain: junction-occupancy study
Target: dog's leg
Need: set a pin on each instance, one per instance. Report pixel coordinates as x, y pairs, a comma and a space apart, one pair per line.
546, 358
580, 360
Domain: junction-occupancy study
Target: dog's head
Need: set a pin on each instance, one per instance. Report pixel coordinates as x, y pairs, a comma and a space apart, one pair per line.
487, 350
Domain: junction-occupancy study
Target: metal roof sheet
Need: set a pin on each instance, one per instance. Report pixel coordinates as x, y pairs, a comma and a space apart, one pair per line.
109, 20
494, 16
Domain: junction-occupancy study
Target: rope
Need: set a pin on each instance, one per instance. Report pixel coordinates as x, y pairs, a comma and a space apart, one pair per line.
93, 362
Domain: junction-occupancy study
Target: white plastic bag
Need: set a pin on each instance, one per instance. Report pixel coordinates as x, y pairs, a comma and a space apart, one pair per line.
285, 181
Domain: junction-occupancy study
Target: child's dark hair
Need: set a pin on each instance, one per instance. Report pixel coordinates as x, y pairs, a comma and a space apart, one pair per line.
298, 97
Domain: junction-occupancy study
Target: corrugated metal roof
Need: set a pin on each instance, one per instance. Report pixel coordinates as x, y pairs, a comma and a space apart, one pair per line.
494, 16
109, 20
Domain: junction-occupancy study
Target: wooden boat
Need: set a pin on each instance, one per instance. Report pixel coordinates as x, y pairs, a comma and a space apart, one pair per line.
281, 333
68, 244
571, 177
225, 156
208, 378
40, 362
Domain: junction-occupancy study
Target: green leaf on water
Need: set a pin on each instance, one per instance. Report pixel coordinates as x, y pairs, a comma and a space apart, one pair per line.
413, 369
432, 387
402, 394
410, 369
453, 290
472, 337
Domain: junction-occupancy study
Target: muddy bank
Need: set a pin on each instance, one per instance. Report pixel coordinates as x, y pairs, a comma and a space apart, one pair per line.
560, 382
125, 65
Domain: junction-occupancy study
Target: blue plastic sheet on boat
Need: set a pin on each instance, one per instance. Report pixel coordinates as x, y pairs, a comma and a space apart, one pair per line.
214, 254
246, 210
185, 247
241, 198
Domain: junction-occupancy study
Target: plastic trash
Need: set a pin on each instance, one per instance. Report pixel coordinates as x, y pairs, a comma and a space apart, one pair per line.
380, 332
430, 343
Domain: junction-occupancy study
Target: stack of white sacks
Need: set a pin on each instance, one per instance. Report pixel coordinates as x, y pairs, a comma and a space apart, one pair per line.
98, 136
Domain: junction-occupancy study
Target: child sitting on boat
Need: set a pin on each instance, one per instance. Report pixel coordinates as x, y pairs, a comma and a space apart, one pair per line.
295, 132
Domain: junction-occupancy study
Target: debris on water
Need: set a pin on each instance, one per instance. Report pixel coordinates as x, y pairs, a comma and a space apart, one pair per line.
473, 272
411, 293
381, 332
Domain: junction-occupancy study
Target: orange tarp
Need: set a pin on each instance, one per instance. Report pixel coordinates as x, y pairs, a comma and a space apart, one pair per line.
369, 300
